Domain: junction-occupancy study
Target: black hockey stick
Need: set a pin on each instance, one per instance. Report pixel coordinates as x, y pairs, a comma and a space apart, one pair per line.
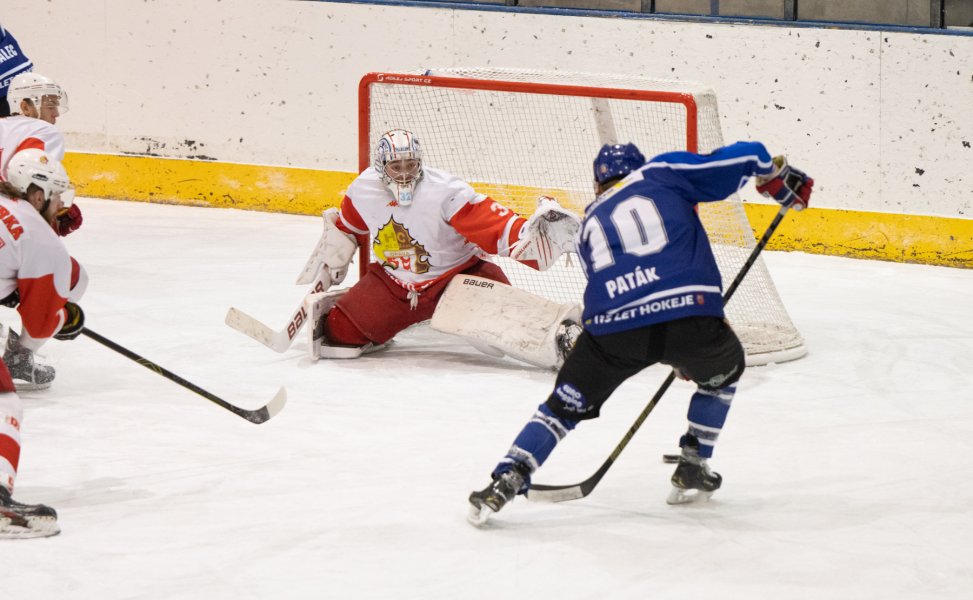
561, 493
258, 416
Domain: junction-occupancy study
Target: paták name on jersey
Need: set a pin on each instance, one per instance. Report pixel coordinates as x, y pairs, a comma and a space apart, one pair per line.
630, 281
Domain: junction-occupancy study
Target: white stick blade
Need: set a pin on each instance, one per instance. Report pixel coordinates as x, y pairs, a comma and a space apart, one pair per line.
277, 403
555, 494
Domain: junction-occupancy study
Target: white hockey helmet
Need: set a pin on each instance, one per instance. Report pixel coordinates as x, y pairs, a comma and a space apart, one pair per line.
398, 159
41, 91
34, 167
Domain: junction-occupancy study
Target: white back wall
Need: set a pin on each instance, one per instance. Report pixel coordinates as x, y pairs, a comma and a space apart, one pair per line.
884, 121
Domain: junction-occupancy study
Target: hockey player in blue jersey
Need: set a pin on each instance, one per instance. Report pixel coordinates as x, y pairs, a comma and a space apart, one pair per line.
13, 61
654, 295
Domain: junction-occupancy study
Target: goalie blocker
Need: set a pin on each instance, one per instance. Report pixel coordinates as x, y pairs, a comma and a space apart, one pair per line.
497, 319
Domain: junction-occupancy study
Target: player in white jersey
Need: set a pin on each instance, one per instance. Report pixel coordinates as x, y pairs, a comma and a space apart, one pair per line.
19, 132
35, 101
35, 265
424, 226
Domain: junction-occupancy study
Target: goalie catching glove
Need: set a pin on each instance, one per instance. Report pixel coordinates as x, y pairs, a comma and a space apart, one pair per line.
334, 251
548, 233
790, 187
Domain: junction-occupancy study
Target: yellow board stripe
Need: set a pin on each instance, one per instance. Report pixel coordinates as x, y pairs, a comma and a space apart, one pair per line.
859, 234
199, 183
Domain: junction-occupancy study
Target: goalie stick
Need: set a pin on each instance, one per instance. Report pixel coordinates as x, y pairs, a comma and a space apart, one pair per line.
278, 341
257, 416
562, 493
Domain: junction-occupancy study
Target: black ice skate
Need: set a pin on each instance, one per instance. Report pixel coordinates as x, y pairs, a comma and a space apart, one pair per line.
27, 374
495, 496
25, 520
693, 480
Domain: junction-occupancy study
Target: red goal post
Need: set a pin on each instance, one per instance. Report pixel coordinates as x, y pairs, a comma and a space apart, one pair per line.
517, 134
524, 87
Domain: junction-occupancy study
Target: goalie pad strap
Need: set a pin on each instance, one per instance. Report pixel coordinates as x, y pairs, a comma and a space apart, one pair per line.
498, 318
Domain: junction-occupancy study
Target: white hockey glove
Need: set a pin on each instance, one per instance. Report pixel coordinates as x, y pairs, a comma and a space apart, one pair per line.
334, 251
548, 233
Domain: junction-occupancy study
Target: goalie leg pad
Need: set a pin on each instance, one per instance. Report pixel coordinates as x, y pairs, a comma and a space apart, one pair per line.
499, 318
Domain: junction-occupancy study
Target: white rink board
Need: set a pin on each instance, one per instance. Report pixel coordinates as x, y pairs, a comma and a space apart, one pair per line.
884, 118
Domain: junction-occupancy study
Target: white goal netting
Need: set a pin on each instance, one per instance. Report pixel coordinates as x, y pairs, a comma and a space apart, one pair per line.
517, 134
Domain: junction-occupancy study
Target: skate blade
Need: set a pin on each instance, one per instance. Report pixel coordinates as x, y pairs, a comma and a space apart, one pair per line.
35, 527
479, 515
24, 386
681, 496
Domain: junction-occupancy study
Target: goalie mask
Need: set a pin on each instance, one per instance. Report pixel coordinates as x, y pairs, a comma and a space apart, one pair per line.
617, 160
398, 159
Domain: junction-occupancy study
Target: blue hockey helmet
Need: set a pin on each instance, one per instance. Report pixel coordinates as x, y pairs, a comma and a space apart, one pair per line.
617, 160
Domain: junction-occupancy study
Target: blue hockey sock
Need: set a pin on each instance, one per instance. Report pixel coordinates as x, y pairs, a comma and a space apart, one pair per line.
707, 414
535, 443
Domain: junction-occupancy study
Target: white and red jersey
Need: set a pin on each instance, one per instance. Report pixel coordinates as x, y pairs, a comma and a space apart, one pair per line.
445, 228
19, 133
34, 261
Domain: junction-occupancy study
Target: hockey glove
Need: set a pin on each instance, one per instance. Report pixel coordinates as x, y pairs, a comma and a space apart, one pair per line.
337, 247
73, 322
788, 186
547, 234
67, 220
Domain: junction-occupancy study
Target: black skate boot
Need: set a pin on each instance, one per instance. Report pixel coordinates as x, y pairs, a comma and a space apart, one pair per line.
495, 496
27, 374
25, 520
693, 480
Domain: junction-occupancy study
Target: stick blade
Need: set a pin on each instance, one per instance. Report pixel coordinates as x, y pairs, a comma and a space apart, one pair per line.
262, 415
254, 329
555, 493
277, 403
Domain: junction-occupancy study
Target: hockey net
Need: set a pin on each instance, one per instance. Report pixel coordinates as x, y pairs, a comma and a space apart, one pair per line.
518, 134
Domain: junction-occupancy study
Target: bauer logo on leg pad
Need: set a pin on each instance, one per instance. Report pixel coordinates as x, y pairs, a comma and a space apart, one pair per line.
477, 282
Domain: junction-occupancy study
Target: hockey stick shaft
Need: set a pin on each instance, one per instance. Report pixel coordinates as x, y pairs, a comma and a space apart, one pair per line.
259, 415
278, 341
562, 493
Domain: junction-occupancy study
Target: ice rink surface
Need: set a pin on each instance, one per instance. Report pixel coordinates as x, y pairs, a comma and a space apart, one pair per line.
847, 474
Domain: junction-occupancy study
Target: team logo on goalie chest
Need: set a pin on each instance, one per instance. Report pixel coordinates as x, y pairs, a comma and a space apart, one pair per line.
397, 249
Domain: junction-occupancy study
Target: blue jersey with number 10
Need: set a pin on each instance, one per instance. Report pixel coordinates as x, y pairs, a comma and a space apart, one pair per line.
643, 247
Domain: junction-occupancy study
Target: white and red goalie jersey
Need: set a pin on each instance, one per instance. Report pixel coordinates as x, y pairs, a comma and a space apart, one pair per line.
446, 227
33, 261
19, 133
